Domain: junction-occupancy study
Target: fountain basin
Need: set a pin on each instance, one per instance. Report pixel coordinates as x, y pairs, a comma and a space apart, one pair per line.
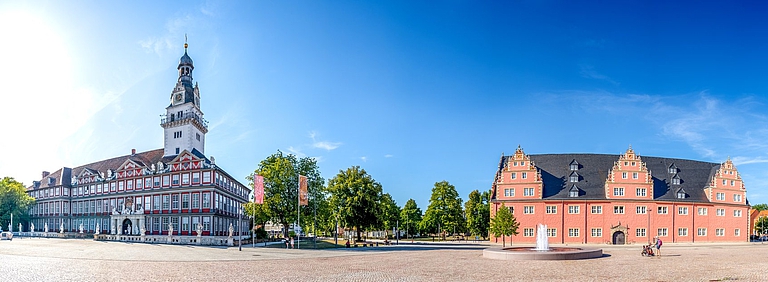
528, 253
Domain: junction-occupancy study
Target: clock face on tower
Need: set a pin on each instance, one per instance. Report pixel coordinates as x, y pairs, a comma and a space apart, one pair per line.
178, 97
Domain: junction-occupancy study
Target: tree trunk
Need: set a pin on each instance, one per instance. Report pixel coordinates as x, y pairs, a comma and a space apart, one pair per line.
357, 230
285, 230
503, 241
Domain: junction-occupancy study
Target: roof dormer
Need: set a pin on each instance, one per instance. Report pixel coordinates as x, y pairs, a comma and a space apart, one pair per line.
574, 165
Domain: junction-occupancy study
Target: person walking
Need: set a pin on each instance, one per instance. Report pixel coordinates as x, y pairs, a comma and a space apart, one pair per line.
658, 246
292, 243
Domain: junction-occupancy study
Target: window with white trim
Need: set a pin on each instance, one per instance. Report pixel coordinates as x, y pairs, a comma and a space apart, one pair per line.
682, 231
597, 232
528, 209
682, 210
641, 192
618, 191
527, 191
720, 232
701, 231
721, 196
640, 232
662, 210
702, 211
528, 232
573, 209
661, 232
597, 209
720, 212
551, 232
551, 209
573, 232
618, 209
641, 210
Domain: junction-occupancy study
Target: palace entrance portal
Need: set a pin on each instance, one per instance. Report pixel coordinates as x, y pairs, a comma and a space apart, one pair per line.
619, 238
127, 226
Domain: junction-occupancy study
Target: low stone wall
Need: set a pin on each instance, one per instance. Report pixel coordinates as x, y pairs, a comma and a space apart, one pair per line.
164, 239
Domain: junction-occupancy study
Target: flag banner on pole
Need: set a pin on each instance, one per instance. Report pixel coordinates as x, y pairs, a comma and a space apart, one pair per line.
303, 195
258, 189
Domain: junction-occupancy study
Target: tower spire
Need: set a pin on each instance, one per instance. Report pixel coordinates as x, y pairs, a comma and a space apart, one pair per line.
185, 43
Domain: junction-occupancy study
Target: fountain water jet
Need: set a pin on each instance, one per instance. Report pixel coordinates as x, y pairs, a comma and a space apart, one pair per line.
542, 242
542, 251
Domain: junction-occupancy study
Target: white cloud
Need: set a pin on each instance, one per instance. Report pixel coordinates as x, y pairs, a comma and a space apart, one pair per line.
365, 159
326, 145
388, 156
296, 151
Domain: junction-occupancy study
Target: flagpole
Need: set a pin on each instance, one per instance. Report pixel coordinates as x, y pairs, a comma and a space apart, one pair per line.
298, 211
253, 216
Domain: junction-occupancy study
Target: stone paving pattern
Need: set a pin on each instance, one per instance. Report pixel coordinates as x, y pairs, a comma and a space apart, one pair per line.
87, 260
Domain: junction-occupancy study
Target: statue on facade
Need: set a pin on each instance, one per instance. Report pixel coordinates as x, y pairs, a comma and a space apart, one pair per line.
160, 166
170, 229
152, 167
112, 230
114, 211
109, 173
231, 230
142, 231
199, 230
32, 227
61, 227
98, 228
46, 227
81, 228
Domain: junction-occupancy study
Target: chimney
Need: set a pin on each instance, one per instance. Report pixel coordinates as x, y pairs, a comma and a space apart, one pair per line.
45, 173
133, 152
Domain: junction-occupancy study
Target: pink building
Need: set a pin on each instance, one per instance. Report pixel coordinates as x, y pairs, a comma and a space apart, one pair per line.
621, 199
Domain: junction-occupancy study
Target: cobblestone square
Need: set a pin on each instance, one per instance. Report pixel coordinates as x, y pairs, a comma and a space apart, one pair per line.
87, 260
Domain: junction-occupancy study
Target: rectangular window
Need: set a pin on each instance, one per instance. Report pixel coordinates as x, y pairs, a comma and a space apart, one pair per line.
682, 232
528, 209
156, 202
185, 179
624, 175
166, 202
641, 210
641, 192
736, 198
701, 232
720, 232
206, 222
736, 213
597, 232
155, 224
514, 175
661, 232
112, 186
618, 191
618, 209
206, 200
196, 201
551, 209
720, 212
206, 176
574, 209
527, 191
509, 192
551, 232
721, 196
175, 201
525, 175
597, 209
736, 232
195, 177
634, 175
185, 201
156, 180
573, 232
702, 211
682, 210
175, 179
165, 224
129, 184
640, 232
139, 183
121, 186
166, 180
185, 224
528, 232
662, 210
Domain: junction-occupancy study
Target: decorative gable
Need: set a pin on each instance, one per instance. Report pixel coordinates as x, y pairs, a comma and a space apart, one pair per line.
628, 174
130, 168
521, 175
186, 161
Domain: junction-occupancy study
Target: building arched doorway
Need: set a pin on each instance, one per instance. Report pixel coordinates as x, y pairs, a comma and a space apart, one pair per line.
127, 226
619, 238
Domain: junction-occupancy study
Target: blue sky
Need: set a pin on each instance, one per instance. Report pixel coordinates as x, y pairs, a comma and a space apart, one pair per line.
415, 93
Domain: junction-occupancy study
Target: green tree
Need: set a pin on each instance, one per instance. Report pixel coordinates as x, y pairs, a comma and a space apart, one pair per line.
259, 213
504, 224
760, 207
355, 198
390, 212
281, 181
478, 213
14, 200
761, 225
410, 216
444, 212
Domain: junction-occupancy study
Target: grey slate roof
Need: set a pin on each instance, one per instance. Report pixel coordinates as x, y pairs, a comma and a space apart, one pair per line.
594, 168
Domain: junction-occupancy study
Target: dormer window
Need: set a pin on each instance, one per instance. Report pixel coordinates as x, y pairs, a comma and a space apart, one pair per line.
676, 180
574, 192
681, 194
672, 169
574, 165
574, 177
51, 180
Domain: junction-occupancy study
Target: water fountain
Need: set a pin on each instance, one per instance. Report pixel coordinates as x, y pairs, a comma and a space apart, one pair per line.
542, 251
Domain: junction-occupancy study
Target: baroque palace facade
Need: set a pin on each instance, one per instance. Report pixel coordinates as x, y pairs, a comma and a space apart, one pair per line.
621, 199
173, 189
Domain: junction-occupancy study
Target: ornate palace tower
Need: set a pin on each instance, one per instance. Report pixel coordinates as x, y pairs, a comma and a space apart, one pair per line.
183, 122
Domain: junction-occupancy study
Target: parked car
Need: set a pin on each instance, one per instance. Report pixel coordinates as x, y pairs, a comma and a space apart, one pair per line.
6, 236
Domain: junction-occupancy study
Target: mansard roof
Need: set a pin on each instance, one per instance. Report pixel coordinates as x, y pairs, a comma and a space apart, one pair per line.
62, 175
595, 167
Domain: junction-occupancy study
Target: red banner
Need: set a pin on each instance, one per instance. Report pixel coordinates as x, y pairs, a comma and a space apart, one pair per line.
303, 195
258, 189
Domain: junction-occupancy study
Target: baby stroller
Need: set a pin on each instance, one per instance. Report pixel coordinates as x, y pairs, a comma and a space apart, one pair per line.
647, 251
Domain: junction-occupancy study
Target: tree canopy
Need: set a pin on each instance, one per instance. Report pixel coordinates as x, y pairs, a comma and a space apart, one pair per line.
478, 213
355, 197
504, 224
13, 200
410, 217
761, 225
390, 212
281, 173
444, 212
760, 207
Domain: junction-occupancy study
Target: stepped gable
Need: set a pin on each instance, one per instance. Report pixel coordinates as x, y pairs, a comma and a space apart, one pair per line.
147, 158
593, 169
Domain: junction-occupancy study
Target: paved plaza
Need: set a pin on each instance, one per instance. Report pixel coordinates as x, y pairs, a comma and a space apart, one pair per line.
88, 260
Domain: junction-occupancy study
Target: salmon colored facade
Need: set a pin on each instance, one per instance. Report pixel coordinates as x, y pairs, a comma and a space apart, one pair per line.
621, 199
